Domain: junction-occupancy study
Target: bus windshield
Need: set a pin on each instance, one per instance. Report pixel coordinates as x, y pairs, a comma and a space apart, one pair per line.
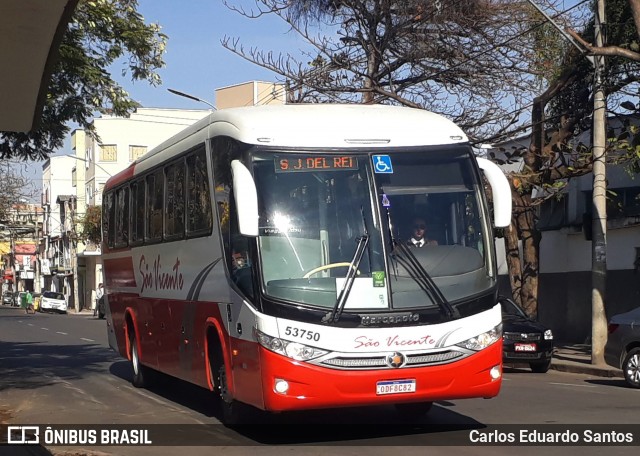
316, 209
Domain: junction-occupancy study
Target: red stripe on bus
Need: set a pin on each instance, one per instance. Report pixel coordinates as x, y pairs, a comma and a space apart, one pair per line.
123, 176
119, 272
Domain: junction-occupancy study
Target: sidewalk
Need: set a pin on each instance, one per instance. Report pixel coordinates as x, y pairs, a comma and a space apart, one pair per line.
85, 312
576, 358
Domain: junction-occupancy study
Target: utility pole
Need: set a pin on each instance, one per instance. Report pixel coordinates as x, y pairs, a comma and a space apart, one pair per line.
599, 214
599, 198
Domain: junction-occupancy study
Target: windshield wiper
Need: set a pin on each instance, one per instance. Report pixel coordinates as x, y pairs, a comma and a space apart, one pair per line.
407, 259
334, 316
363, 242
416, 271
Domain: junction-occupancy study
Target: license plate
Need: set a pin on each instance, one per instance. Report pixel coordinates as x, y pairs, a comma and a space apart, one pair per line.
525, 347
396, 387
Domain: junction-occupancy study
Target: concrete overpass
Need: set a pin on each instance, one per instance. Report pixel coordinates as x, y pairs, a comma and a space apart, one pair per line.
30, 34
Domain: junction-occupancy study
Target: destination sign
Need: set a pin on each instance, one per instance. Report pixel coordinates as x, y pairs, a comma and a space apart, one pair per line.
315, 163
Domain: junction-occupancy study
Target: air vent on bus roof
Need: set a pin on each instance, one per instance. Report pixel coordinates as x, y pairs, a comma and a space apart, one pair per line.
367, 141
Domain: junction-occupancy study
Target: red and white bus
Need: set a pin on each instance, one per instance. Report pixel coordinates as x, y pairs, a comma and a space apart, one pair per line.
262, 254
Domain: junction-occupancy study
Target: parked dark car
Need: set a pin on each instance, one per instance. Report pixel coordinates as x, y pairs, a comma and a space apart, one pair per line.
525, 340
623, 345
7, 298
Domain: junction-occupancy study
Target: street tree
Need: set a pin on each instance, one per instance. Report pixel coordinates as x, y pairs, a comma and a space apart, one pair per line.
14, 189
448, 56
479, 63
414, 53
103, 36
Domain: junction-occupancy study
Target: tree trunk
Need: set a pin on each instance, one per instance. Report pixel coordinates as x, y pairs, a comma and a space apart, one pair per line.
512, 250
530, 236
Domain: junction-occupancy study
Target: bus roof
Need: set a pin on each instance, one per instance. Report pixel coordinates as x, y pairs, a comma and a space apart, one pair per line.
314, 126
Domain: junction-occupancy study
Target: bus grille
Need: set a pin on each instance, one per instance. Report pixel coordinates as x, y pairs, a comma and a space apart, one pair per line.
379, 361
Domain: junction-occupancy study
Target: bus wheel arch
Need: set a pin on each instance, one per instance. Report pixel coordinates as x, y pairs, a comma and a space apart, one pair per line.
141, 374
220, 376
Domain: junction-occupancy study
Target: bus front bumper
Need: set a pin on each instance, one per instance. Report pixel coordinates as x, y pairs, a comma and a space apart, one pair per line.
313, 387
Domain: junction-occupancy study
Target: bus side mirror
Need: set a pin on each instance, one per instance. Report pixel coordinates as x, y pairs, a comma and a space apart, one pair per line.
246, 198
501, 192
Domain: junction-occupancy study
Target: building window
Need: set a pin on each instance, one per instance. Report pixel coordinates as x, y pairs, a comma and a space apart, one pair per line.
136, 151
108, 153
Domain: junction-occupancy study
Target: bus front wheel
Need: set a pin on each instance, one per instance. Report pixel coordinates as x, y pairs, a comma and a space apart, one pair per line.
232, 410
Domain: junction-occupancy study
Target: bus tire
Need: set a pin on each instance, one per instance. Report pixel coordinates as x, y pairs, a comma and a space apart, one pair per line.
141, 373
232, 412
413, 410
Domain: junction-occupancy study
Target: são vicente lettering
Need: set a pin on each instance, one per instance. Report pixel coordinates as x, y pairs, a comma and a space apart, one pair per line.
153, 277
394, 341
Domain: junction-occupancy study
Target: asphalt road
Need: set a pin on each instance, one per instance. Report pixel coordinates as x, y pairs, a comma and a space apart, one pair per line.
58, 369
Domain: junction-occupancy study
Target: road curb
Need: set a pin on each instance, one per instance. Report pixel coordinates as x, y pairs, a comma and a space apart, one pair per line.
587, 369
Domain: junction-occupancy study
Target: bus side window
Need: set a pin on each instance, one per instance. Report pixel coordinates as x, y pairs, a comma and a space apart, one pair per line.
155, 193
235, 246
199, 216
175, 196
122, 217
108, 219
137, 212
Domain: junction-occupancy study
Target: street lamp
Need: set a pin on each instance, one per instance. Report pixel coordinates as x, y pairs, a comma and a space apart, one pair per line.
86, 161
191, 97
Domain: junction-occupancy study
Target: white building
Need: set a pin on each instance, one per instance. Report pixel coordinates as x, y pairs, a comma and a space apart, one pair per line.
56, 181
564, 296
121, 141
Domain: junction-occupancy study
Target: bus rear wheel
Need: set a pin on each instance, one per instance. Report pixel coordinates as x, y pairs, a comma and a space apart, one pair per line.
413, 410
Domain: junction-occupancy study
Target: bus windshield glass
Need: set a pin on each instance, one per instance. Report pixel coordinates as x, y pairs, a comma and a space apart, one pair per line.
315, 210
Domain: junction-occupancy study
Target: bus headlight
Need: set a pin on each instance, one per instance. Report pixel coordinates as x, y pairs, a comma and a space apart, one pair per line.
483, 340
293, 350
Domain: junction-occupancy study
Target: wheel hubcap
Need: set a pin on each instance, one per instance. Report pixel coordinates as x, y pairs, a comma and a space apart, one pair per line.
134, 359
222, 384
633, 369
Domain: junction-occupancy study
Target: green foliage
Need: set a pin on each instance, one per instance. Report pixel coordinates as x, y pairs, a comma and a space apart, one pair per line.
101, 34
91, 225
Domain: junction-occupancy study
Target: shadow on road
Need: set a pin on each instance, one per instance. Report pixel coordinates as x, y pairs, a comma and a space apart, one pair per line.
617, 382
357, 424
37, 364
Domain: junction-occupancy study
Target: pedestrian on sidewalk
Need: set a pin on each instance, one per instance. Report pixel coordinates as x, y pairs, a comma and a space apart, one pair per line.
99, 296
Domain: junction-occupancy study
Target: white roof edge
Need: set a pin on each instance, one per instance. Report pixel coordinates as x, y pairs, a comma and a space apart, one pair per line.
335, 126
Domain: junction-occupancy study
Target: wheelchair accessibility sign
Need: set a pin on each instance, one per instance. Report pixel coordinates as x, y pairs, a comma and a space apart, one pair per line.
382, 164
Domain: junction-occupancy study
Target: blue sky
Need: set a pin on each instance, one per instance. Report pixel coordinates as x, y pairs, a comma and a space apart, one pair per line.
196, 61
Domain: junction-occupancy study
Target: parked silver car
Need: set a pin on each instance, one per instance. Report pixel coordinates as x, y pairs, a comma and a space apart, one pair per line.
7, 298
623, 346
